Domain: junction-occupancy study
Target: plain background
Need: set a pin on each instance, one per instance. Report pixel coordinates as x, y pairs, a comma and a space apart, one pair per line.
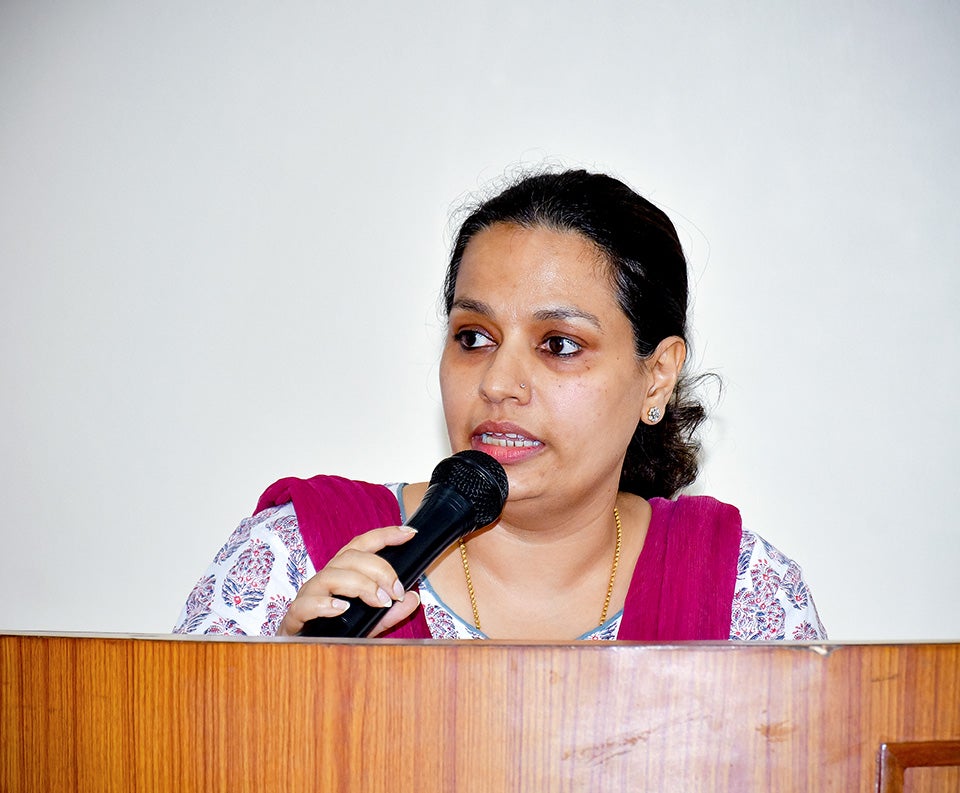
223, 228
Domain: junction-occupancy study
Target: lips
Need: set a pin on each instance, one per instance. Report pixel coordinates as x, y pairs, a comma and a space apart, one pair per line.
504, 441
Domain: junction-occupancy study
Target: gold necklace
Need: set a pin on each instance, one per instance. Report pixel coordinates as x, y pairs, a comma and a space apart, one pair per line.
606, 600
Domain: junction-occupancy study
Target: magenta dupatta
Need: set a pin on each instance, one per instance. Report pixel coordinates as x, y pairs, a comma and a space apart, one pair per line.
331, 511
682, 586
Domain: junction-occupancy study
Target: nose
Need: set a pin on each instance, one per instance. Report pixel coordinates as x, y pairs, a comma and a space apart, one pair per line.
506, 377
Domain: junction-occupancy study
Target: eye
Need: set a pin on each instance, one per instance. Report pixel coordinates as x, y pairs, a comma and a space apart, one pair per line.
473, 339
561, 346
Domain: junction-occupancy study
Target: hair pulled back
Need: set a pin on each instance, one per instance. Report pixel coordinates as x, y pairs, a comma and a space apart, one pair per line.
649, 275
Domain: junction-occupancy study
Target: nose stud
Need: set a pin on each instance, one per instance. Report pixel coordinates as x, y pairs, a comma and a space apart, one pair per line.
523, 385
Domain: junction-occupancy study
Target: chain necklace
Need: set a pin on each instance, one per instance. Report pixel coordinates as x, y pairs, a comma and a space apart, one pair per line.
606, 600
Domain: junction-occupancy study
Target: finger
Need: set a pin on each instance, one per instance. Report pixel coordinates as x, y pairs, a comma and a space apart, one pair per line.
357, 555
399, 612
360, 575
373, 541
309, 607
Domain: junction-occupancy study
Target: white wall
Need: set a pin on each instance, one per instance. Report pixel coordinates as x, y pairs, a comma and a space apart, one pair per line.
223, 228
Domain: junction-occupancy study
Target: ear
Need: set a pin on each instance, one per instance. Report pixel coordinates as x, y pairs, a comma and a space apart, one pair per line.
664, 368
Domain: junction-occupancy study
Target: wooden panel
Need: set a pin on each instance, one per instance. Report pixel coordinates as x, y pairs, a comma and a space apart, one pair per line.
920, 766
932, 779
182, 713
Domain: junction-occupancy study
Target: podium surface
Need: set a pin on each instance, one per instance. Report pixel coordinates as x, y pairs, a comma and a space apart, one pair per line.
112, 713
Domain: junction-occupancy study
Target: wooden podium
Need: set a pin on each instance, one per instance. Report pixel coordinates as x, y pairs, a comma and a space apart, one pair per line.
110, 713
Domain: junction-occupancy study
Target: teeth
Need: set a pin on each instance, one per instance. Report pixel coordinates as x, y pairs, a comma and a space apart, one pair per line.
507, 439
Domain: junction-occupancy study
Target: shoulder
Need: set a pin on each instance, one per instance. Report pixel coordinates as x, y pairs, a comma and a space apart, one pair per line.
690, 509
276, 526
697, 524
771, 599
252, 578
324, 491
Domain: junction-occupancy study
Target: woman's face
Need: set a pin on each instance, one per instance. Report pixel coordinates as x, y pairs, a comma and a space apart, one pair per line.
539, 368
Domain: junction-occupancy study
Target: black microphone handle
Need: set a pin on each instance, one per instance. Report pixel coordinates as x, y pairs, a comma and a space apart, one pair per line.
443, 517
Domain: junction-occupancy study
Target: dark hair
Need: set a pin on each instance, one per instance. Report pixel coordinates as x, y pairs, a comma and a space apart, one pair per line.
649, 275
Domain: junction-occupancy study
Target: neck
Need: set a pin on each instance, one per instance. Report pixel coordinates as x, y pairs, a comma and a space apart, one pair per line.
540, 575
521, 547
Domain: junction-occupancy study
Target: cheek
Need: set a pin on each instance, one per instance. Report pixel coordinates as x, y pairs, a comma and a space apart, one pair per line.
449, 382
576, 398
582, 409
608, 412
453, 388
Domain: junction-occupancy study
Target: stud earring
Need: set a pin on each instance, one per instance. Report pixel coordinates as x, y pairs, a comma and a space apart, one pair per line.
654, 415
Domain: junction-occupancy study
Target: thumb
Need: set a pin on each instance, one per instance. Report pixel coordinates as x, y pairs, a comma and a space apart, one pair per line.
398, 612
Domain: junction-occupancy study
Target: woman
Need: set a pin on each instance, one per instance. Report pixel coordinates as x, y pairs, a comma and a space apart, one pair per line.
566, 298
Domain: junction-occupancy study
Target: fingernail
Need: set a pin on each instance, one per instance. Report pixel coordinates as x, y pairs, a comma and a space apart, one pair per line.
398, 590
384, 598
409, 529
339, 605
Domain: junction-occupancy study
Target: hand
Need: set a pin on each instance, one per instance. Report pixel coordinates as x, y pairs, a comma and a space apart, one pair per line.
356, 571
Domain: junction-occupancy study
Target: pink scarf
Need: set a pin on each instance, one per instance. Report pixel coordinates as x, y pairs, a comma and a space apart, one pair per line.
682, 587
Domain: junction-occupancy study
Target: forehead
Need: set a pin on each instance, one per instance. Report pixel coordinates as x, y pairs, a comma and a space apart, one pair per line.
536, 264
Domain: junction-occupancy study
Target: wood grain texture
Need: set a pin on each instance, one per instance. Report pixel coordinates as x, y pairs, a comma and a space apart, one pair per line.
920, 767
178, 713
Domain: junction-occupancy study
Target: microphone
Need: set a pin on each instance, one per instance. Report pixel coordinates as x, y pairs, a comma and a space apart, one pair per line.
467, 491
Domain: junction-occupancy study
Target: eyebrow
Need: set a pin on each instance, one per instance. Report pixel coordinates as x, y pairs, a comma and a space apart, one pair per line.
562, 313
554, 313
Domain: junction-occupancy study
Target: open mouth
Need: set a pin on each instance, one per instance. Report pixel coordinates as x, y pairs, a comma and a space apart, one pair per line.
507, 439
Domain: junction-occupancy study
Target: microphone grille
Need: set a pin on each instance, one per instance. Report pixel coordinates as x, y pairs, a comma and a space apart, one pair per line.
478, 478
